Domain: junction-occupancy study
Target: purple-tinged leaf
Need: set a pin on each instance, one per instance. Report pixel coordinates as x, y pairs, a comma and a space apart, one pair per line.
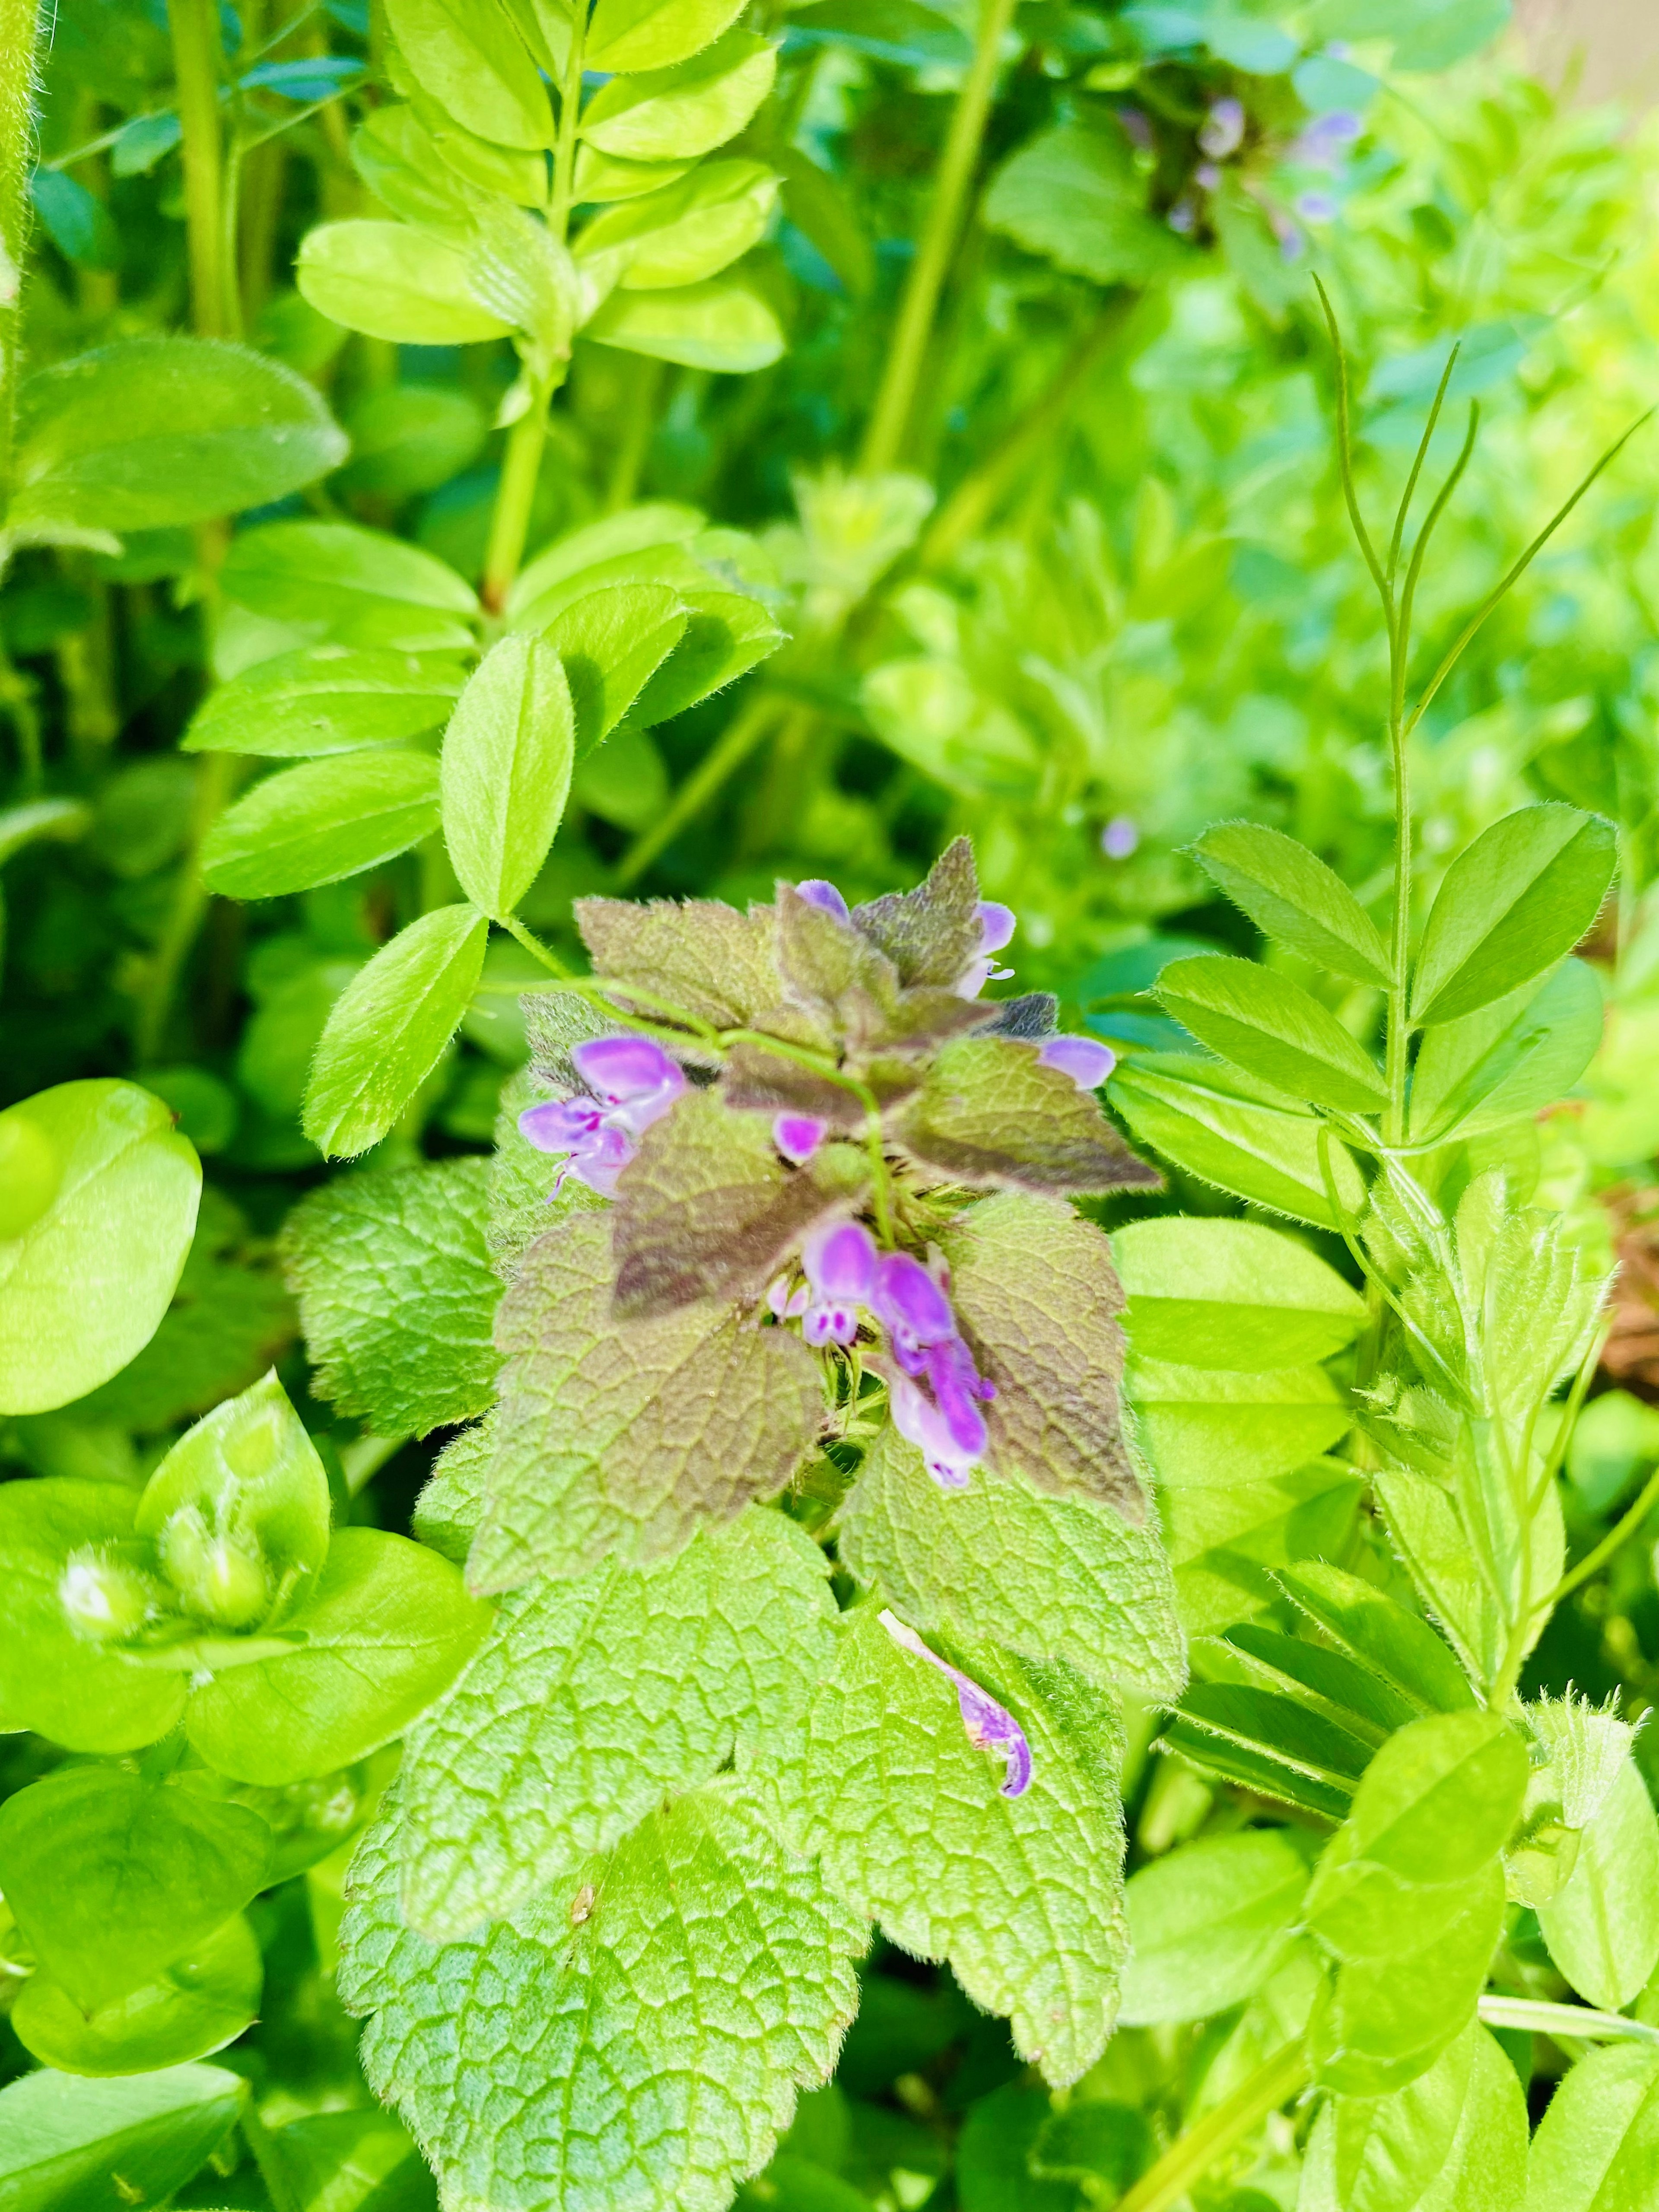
991, 1114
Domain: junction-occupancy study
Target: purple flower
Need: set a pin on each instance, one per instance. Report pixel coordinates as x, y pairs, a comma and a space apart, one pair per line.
1222, 130
825, 895
1291, 243
1137, 129
937, 1393
911, 1307
1316, 207
1207, 175
989, 1725
1119, 837
798, 1136
1183, 216
1322, 143
631, 1084
997, 924
1087, 1063
840, 1264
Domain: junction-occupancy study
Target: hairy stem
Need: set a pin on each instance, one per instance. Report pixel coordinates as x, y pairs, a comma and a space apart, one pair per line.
20, 28
1190, 2158
1577, 2023
890, 417
195, 61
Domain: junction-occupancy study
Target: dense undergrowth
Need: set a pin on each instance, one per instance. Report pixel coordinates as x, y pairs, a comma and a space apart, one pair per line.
885, 426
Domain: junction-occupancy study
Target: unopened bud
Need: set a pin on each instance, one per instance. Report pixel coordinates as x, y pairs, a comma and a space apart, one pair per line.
104, 1598
220, 1578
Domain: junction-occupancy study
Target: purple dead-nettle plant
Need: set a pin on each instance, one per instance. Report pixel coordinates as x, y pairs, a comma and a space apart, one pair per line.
989, 1725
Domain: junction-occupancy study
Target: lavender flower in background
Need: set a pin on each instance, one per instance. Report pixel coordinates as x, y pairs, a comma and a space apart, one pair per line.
798, 1136
1316, 207
1086, 1062
631, 1083
1222, 131
1119, 837
1207, 176
1326, 140
1137, 129
989, 1725
997, 924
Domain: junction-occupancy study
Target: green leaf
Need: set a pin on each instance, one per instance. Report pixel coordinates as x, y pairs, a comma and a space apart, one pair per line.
1273, 1030
728, 634
649, 34
723, 324
506, 766
1203, 1428
98, 1200
664, 2015
75, 2146
111, 1876
594, 1700
1073, 195
387, 1029
1455, 2140
611, 643
1302, 1745
348, 2161
1239, 1759
1053, 1579
392, 280
1208, 1922
238, 1510
317, 824
467, 54
1597, 2146
990, 1113
619, 1436
1223, 1127
326, 699
1397, 1646
625, 782
701, 954
396, 1294
705, 1208
1295, 899
387, 1627
1602, 1929
672, 114
1329, 1681
1520, 896
155, 431
202, 2000
596, 555
685, 232
1225, 1541
1023, 1895
1508, 1060
1036, 1298
360, 586
1231, 1294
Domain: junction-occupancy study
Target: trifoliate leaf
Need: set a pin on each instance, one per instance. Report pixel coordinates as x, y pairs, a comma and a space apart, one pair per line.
1036, 1295
638, 2041
707, 1208
1023, 1895
1051, 1579
932, 933
990, 1113
594, 1700
616, 1438
699, 955
396, 1294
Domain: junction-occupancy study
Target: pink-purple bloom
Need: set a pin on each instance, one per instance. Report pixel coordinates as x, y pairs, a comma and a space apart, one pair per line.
989, 1725
1119, 837
937, 1394
1085, 1062
1222, 130
997, 924
798, 1136
631, 1083
823, 895
840, 1264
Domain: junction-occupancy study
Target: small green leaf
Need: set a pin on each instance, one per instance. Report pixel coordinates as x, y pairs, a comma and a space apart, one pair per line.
317, 824
675, 114
389, 1026
1231, 1294
200, 2000
717, 964
1596, 2148
392, 280
728, 634
1329, 1681
112, 1877
348, 2161
683, 233
1519, 897
989, 1113
1239, 1135
649, 34
360, 586
387, 1626
1209, 1428
1455, 2139
1273, 1030
610, 644
1508, 1060
1603, 1928
98, 1200
1294, 898
588, 560
327, 699
125, 2146
1399, 1647
469, 57
1282, 1731
723, 324
155, 431
1208, 1922
1240, 1758
505, 770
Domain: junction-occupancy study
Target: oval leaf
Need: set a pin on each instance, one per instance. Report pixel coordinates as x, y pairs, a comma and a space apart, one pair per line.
468, 56
1231, 1294
1294, 898
649, 34
391, 282
1273, 1028
673, 114
723, 324
317, 823
326, 699
505, 771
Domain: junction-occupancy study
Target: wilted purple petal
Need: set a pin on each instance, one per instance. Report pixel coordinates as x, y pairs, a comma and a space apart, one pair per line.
989, 1725
798, 1136
921, 1422
1119, 837
819, 893
1222, 130
1086, 1062
909, 1303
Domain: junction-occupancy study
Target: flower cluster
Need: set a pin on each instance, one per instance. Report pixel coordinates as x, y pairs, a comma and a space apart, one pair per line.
997, 924
631, 1084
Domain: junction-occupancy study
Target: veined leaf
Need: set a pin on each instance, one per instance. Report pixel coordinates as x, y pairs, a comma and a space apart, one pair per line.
1456, 2137
1597, 2146
320, 823
649, 34
1523, 895
1280, 1730
360, 586
1329, 1681
1242, 1759
506, 766
722, 323
468, 56
326, 699
392, 280
1397, 1646
1511, 1058
1207, 1429
1273, 1029
1295, 899
1208, 1922
611, 643
1225, 1541
1231, 1294
670, 114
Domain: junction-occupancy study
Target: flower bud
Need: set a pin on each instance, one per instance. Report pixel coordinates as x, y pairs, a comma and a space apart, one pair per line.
106, 1599
220, 1578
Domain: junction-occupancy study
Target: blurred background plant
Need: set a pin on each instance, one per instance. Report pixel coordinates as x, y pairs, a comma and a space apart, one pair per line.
1040, 492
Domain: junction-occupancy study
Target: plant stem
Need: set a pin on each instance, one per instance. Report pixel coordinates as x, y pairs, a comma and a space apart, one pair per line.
215, 778
723, 757
1625, 1527
533, 946
196, 62
20, 28
1576, 2022
1190, 2158
890, 416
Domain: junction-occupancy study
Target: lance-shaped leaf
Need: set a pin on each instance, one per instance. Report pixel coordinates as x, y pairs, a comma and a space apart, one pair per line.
707, 1209
1399, 1647
396, 1294
637, 2041
1508, 1059
700, 954
618, 1437
1602, 1927
326, 699
1232, 1295
505, 771
1036, 1298
1051, 1579
317, 823
931, 934
1023, 1895
1522, 894
595, 1700
1597, 2146
992, 1113
1294, 898
1273, 1029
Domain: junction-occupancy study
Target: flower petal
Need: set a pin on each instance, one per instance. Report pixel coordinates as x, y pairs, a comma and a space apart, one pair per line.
798, 1136
1085, 1062
989, 1725
907, 1300
840, 1262
819, 893
619, 1069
